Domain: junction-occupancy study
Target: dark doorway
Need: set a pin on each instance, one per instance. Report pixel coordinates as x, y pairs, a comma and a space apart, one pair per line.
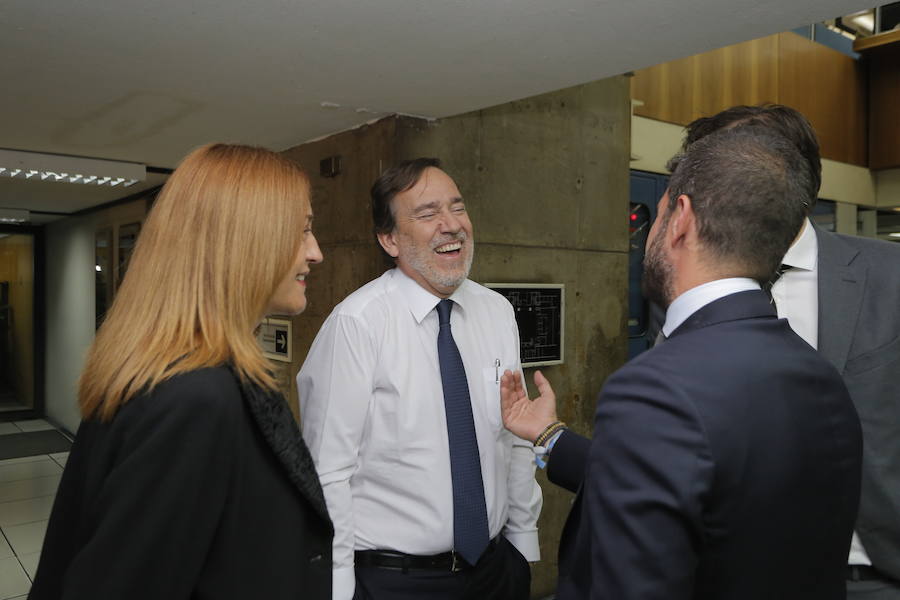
18, 339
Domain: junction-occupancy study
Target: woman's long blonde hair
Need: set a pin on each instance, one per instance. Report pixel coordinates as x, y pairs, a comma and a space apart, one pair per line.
224, 231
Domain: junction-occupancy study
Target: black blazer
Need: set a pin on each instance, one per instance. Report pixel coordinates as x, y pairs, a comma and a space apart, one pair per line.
725, 464
201, 489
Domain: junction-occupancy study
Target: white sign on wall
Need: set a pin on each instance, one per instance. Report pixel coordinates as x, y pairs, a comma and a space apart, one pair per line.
274, 336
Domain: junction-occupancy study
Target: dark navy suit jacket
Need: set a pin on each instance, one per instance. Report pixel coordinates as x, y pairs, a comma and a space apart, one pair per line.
725, 464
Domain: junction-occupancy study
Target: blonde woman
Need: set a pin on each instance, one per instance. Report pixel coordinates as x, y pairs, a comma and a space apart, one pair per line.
188, 477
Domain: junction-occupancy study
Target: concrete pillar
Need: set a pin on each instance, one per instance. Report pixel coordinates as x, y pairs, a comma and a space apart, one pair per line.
845, 218
546, 185
868, 223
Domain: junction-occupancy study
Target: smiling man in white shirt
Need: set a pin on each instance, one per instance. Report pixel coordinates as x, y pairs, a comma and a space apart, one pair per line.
430, 496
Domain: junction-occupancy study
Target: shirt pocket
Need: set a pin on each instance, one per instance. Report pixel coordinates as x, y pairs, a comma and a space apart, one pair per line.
490, 377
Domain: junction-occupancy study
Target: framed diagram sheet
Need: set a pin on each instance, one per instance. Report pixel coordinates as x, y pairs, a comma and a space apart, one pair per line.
540, 315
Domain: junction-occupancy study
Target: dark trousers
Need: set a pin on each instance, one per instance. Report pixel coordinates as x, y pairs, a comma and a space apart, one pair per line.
502, 573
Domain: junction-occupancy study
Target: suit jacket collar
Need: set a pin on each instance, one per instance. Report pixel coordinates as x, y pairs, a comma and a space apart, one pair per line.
699, 296
278, 427
733, 307
842, 280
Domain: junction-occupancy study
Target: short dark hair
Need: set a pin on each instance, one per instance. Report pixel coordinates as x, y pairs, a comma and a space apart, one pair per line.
395, 180
743, 184
783, 120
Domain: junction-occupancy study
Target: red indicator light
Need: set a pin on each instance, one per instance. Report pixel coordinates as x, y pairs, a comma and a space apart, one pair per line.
633, 217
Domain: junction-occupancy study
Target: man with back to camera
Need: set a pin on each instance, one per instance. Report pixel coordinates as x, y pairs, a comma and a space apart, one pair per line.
430, 496
725, 462
841, 294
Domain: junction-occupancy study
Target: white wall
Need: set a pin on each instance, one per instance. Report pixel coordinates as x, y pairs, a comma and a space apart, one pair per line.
653, 143
70, 314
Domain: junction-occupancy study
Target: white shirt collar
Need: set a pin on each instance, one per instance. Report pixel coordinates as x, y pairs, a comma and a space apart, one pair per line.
804, 252
696, 298
421, 301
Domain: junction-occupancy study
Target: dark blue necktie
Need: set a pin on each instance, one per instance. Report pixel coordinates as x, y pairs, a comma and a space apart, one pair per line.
767, 286
470, 524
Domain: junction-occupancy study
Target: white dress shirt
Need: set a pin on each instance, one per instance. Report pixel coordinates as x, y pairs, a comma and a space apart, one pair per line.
796, 296
372, 410
796, 292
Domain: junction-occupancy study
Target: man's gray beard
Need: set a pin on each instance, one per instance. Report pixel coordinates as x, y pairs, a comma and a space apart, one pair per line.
420, 264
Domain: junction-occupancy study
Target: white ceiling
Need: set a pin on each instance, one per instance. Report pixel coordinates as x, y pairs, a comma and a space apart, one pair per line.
147, 81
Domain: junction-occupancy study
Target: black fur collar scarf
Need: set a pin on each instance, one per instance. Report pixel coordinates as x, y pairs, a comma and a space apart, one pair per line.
277, 424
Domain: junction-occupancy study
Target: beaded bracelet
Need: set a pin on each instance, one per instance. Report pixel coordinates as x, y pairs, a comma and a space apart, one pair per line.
549, 432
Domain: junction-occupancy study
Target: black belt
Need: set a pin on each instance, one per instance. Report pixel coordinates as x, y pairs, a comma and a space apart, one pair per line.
865, 573
387, 559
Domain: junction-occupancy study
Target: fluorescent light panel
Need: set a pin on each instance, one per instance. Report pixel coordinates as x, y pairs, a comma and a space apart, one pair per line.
36, 166
14, 216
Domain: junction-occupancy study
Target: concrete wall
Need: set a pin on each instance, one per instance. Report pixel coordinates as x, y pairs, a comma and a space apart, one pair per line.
546, 184
343, 227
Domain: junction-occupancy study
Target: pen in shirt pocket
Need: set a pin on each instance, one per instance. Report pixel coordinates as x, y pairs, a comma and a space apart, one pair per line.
496, 370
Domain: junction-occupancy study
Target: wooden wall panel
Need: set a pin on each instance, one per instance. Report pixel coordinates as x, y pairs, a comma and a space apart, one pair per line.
667, 91
884, 107
759, 59
740, 74
712, 81
829, 88
683, 90
825, 85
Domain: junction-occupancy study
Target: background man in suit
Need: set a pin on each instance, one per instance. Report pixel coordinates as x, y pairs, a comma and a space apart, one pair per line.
842, 295
725, 462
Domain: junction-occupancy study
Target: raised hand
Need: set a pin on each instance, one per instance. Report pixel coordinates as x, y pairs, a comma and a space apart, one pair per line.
523, 417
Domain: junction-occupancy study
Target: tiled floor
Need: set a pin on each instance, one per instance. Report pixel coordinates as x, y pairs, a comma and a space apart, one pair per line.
27, 488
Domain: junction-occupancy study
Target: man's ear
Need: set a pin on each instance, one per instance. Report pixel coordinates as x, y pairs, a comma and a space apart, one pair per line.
682, 222
389, 243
